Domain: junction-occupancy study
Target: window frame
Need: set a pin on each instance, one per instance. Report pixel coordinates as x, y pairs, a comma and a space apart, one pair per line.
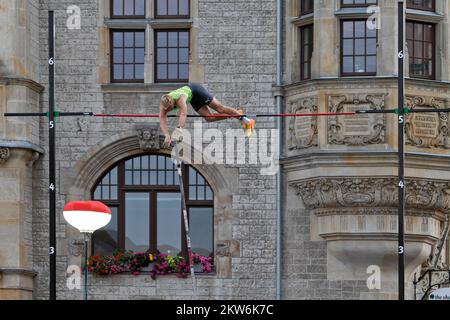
357, 5
155, 55
111, 66
112, 16
433, 55
356, 74
152, 190
157, 16
433, 9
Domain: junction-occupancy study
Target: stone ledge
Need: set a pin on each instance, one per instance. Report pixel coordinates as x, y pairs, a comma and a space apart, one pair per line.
141, 87
424, 16
16, 81
154, 23
384, 236
18, 144
377, 227
18, 271
379, 158
303, 20
345, 13
17, 280
374, 81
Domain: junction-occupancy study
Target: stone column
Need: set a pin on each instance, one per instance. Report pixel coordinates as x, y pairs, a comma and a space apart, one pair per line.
442, 45
326, 60
19, 139
16, 275
387, 39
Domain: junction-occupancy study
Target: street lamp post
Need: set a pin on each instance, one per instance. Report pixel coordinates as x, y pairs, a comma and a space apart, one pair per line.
87, 217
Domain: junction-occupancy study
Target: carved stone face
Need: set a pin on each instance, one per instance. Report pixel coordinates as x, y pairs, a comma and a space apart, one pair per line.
4, 154
146, 135
149, 138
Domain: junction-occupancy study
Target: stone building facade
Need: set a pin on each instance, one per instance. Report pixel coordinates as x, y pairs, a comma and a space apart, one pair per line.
338, 174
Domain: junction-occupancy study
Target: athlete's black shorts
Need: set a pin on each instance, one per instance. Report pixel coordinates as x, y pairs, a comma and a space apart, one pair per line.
200, 96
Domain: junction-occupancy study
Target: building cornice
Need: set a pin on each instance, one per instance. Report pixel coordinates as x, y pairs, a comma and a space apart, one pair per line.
348, 13
154, 23
140, 87
18, 271
423, 16
303, 20
16, 81
18, 144
364, 158
362, 81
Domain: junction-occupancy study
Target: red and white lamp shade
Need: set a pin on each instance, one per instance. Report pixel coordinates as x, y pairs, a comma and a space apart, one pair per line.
87, 216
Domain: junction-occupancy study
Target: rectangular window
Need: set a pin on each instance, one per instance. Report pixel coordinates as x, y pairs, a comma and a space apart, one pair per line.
306, 50
420, 38
358, 49
358, 3
306, 7
201, 220
127, 9
172, 55
127, 55
169, 222
172, 9
137, 221
427, 5
106, 239
198, 187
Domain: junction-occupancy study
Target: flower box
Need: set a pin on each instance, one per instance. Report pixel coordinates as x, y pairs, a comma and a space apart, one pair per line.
153, 263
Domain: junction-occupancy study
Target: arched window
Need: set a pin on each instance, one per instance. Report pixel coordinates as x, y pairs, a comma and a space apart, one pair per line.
144, 196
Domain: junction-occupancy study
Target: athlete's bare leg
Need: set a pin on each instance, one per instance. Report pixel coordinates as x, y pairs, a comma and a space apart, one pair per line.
220, 108
206, 113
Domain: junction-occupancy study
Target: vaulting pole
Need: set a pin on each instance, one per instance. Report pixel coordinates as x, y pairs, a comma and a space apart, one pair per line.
179, 164
51, 154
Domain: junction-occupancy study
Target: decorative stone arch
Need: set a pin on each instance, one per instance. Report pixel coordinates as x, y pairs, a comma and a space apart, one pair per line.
90, 167
100, 158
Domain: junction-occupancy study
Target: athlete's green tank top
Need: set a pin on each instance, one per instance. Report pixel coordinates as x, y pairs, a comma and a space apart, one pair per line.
176, 94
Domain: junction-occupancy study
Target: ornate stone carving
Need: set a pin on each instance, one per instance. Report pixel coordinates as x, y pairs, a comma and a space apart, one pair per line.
303, 130
356, 130
5, 153
436, 259
149, 137
427, 130
33, 157
429, 280
372, 192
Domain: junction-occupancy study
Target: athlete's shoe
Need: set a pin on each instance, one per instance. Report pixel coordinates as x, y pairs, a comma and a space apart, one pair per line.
250, 126
247, 123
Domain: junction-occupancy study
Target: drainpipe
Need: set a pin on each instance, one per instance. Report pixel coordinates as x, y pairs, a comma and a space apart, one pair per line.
278, 101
